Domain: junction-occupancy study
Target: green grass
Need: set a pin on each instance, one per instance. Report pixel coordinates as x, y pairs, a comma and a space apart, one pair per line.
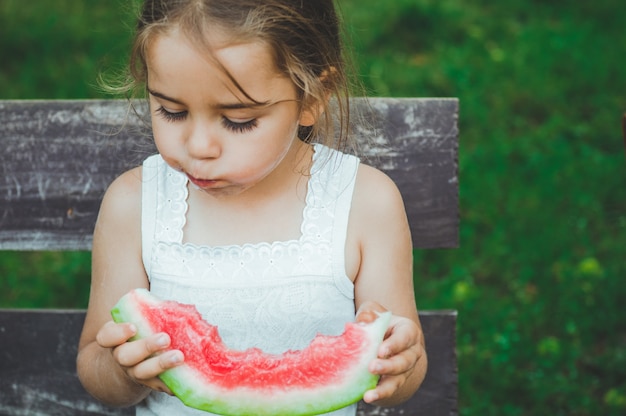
538, 279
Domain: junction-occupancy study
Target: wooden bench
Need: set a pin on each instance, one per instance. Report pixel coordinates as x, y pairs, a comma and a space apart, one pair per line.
57, 159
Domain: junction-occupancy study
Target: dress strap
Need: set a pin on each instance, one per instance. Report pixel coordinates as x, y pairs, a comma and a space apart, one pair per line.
149, 192
343, 170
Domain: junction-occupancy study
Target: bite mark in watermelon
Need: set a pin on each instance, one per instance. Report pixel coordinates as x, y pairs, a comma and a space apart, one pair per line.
329, 374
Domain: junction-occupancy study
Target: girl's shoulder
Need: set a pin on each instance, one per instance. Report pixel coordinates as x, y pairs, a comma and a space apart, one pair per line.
127, 185
376, 191
122, 200
376, 201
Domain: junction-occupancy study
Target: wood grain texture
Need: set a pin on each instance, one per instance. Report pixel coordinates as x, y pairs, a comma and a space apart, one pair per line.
38, 370
58, 157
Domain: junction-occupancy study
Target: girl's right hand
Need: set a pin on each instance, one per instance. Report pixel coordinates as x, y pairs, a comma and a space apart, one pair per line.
142, 360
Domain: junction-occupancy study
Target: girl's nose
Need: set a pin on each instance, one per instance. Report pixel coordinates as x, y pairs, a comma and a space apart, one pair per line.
203, 141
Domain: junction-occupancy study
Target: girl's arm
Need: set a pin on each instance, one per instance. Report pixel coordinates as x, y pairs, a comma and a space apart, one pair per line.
384, 280
106, 363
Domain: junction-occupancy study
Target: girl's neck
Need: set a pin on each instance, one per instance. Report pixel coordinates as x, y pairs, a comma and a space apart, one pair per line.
270, 211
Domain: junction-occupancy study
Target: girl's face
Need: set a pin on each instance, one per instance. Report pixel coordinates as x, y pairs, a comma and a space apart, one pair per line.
204, 126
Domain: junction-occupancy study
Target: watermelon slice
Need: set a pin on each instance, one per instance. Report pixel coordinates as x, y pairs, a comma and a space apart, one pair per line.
329, 374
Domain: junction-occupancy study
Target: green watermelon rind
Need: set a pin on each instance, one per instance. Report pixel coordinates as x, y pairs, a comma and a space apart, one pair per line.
258, 402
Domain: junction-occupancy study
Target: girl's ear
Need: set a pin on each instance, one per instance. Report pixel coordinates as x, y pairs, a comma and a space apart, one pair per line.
312, 112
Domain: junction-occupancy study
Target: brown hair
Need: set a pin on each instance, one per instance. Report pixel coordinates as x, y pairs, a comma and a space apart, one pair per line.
304, 36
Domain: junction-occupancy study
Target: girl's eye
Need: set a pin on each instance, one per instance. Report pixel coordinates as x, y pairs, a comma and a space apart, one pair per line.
239, 127
234, 126
170, 116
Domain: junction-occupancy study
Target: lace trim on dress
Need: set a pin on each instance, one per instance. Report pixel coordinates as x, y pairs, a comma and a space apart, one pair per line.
312, 253
317, 221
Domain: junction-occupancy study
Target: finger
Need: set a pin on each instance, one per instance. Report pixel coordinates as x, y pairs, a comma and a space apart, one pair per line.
162, 387
112, 334
395, 365
154, 366
401, 335
386, 387
397, 356
155, 384
132, 353
368, 311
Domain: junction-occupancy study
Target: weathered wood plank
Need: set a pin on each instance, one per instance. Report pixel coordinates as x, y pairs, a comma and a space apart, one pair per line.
38, 370
58, 156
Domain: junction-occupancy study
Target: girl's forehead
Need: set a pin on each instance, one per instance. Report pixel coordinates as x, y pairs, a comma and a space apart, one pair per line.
214, 46
246, 68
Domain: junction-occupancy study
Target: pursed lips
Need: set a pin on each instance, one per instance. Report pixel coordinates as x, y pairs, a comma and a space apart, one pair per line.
202, 183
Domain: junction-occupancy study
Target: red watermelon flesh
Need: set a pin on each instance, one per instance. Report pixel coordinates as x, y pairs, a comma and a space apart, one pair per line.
329, 374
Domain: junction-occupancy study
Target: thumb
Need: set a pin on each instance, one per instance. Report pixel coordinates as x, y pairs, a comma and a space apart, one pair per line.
368, 311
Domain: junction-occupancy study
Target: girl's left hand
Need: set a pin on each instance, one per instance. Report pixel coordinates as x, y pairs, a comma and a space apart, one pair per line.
397, 355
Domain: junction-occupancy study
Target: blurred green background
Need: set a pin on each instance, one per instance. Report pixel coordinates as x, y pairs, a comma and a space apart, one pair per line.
539, 278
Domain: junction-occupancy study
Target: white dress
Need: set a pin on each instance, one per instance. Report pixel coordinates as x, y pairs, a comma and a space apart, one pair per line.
274, 296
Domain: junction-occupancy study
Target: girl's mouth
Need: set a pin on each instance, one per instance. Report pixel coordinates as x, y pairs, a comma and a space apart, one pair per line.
202, 183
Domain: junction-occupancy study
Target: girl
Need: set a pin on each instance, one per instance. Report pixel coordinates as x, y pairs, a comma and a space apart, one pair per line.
246, 211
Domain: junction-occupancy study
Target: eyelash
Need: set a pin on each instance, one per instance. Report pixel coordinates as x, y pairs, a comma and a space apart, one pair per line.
170, 116
227, 123
239, 127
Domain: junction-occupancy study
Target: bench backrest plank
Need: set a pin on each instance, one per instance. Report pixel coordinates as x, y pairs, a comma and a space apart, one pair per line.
57, 159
